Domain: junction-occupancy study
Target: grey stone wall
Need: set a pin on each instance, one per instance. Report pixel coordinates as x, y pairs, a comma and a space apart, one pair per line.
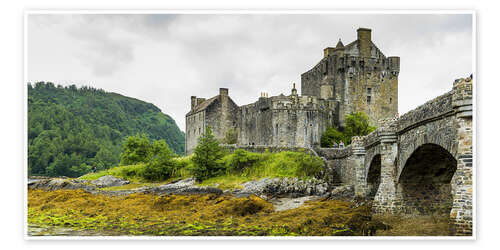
195, 126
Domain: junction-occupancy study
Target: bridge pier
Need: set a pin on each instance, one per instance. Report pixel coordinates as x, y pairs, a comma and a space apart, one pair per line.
386, 200
461, 214
360, 185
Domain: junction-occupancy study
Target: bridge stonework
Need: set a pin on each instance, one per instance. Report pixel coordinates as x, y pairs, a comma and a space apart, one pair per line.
419, 163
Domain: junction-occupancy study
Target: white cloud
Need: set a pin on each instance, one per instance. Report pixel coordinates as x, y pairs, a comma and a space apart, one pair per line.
164, 59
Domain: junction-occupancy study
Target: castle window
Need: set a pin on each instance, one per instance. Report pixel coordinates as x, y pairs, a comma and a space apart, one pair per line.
368, 99
369, 91
390, 100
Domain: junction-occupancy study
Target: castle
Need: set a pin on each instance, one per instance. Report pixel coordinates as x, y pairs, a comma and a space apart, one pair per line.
351, 78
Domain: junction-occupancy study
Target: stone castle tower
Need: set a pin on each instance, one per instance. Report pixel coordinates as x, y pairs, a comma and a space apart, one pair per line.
358, 76
352, 78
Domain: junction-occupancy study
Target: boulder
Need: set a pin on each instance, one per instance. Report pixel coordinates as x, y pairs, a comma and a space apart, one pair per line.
276, 187
57, 183
109, 181
342, 192
185, 186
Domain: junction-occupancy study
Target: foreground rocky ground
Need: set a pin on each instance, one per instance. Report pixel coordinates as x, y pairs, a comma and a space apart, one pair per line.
268, 207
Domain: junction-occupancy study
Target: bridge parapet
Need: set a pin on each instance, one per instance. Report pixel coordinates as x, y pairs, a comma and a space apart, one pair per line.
335, 153
462, 97
433, 109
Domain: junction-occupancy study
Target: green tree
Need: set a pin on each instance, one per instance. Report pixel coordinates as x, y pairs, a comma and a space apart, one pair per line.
161, 164
207, 156
330, 136
137, 149
357, 124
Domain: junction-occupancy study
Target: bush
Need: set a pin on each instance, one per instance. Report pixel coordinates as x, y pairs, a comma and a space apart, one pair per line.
310, 165
285, 164
239, 160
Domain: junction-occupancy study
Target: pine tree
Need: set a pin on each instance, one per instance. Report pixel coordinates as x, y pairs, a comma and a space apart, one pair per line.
207, 156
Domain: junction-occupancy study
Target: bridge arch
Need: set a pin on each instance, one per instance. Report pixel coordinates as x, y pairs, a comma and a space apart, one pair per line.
425, 180
373, 175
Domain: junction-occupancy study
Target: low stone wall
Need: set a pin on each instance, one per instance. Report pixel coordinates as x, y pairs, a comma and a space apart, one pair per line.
340, 166
263, 148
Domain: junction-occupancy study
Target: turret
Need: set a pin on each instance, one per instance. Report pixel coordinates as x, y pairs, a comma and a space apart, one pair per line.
294, 90
340, 45
394, 65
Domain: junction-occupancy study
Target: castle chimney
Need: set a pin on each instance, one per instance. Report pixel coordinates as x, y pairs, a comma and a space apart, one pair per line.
193, 102
364, 38
223, 92
294, 90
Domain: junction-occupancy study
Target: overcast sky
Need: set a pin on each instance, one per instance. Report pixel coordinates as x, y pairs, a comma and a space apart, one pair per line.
164, 59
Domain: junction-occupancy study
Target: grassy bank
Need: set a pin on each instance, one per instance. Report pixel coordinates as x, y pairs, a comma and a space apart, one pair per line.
236, 168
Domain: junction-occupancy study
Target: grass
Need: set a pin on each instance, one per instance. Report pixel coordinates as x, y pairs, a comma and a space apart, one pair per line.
229, 181
148, 214
240, 167
129, 173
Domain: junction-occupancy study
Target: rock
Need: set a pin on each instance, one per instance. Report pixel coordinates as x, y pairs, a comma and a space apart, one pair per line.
109, 181
57, 183
290, 187
185, 186
282, 204
342, 192
198, 190
171, 187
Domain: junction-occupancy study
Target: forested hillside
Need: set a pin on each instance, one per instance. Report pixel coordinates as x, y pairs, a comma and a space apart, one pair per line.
71, 130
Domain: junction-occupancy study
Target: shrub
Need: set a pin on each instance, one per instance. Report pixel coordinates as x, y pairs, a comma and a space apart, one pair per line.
310, 165
239, 160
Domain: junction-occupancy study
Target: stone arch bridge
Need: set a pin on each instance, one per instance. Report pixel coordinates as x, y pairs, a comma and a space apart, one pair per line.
419, 163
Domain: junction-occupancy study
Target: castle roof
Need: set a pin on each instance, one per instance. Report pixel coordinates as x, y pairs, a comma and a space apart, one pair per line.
204, 105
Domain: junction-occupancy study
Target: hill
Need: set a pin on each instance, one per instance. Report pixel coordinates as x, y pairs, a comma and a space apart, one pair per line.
72, 130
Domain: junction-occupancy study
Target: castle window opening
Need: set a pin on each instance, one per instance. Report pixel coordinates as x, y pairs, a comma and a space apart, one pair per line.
369, 91
390, 100
368, 99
